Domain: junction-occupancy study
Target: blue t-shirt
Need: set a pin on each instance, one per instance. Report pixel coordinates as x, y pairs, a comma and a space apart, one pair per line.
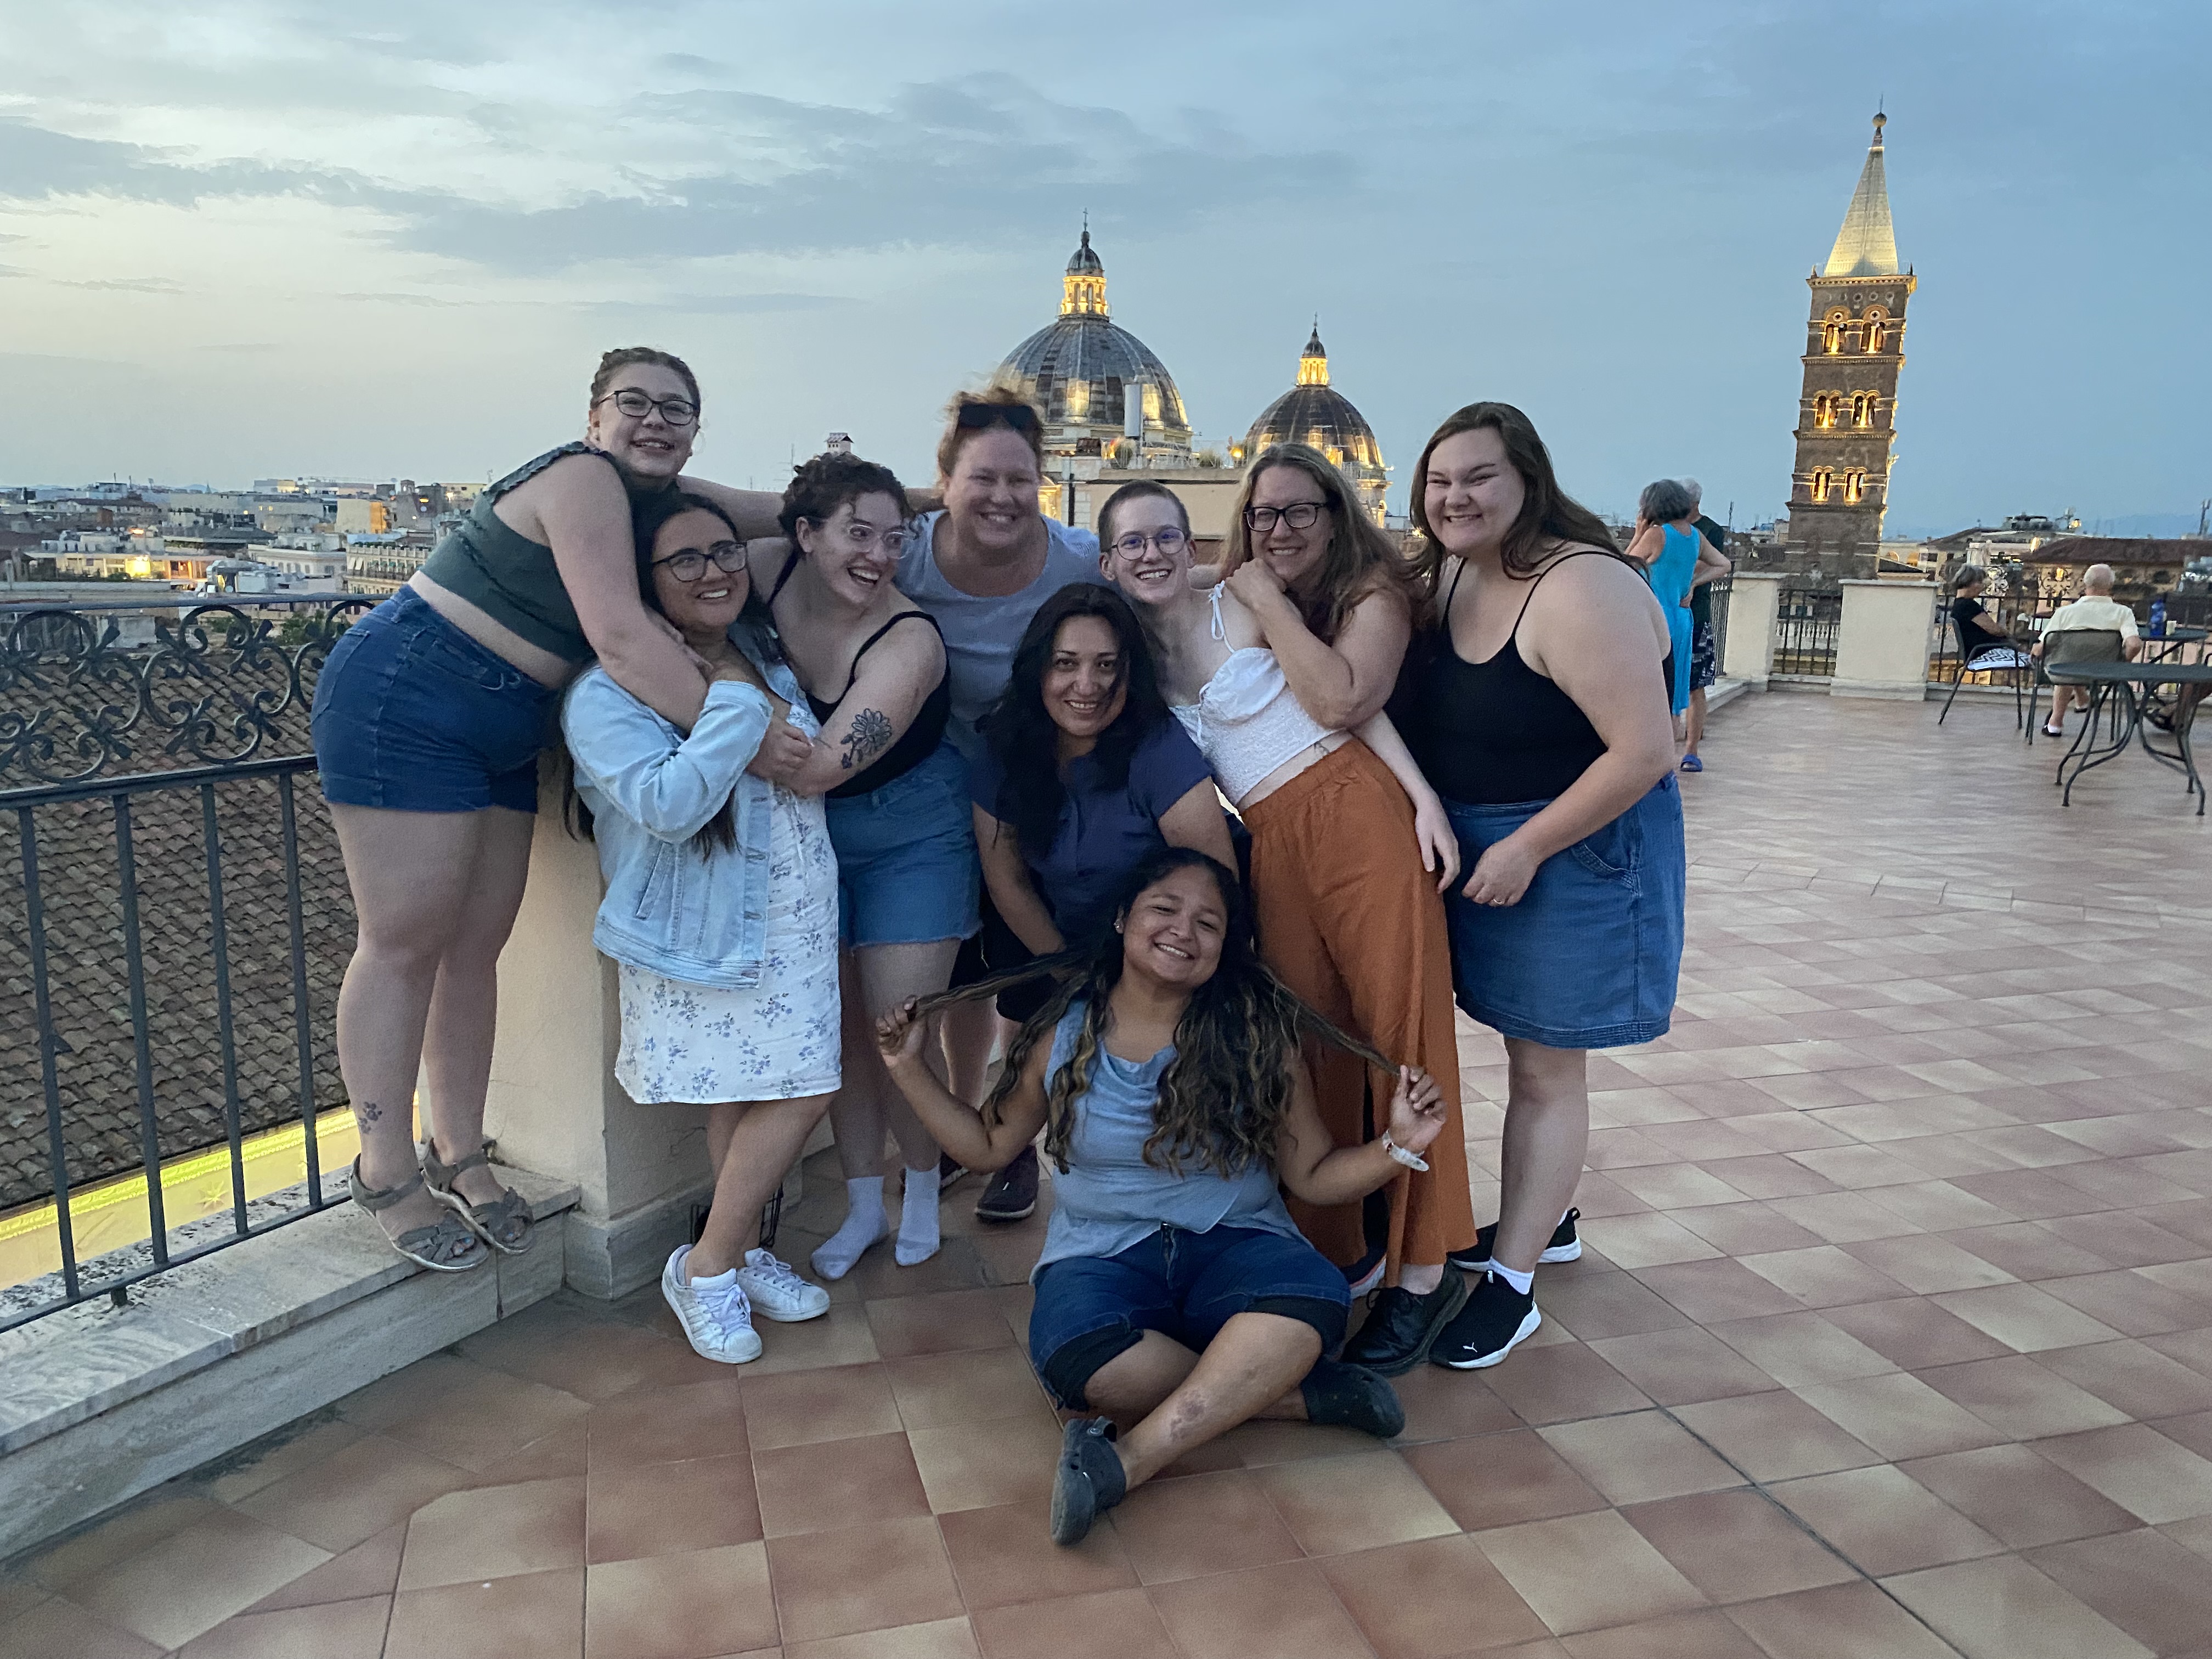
1103, 833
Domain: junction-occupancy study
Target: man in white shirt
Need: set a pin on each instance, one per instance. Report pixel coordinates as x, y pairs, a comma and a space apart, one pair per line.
2095, 609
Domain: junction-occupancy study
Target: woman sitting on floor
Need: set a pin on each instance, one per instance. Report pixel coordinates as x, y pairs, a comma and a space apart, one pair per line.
1174, 1296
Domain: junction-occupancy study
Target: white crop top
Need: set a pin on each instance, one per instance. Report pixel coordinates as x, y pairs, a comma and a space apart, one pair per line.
1248, 721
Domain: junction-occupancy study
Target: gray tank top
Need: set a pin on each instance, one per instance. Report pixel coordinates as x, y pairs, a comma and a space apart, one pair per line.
1110, 1197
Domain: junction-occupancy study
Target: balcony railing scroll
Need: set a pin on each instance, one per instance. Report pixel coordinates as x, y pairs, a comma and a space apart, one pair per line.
178, 915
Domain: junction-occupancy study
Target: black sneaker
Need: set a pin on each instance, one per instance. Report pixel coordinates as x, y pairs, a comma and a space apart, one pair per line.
1357, 1399
1012, 1196
1563, 1246
1090, 1479
1496, 1320
1365, 1274
949, 1170
1401, 1326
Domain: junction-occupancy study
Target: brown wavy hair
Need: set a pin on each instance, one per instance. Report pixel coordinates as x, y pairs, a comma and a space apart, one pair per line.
1224, 1096
1548, 514
1360, 559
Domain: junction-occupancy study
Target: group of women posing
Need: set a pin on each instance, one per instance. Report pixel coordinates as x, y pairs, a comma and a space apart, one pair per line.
838, 756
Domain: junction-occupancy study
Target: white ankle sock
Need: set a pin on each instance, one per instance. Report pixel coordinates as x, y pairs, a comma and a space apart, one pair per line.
1521, 1282
865, 1223
917, 1234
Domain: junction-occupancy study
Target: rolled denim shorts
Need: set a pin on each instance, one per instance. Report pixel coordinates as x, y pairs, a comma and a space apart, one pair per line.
1590, 956
413, 715
907, 870
1184, 1284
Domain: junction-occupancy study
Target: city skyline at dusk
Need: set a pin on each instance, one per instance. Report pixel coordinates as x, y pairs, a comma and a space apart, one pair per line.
263, 240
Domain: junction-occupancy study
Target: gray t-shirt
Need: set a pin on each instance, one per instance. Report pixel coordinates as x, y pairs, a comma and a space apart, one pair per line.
980, 634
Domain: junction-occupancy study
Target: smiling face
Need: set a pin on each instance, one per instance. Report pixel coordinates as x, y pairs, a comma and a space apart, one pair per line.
1086, 684
992, 494
1293, 554
644, 446
708, 606
855, 550
1173, 931
1150, 575
1471, 493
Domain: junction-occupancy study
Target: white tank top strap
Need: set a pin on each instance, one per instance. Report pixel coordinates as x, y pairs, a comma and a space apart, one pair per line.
1214, 598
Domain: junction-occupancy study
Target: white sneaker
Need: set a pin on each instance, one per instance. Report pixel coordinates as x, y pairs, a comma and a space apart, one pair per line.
777, 1293
714, 1313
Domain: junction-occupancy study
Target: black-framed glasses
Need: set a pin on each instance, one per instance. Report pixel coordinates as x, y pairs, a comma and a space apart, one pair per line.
975, 417
690, 565
1298, 515
1170, 541
677, 412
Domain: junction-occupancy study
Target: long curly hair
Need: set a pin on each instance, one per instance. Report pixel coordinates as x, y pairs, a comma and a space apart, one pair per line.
1224, 1097
1022, 737
1360, 559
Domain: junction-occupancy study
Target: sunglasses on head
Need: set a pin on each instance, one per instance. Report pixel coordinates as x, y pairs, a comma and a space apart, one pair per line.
974, 417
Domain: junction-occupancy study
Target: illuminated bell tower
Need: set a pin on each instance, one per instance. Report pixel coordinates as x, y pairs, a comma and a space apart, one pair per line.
1313, 362
1846, 414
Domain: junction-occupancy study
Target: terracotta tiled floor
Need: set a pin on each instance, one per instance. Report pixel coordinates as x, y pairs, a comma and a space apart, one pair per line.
1894, 1338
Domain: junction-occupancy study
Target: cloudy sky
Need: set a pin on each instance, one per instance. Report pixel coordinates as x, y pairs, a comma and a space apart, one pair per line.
242, 238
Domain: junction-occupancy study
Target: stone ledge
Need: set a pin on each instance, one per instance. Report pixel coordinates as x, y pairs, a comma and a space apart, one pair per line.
75, 1364
99, 1404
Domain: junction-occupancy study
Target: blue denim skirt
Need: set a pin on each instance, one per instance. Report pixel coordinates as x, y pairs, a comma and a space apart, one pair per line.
1590, 955
413, 715
907, 869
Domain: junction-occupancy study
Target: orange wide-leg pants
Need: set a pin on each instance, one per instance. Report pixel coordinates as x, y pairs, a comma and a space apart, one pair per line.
1351, 922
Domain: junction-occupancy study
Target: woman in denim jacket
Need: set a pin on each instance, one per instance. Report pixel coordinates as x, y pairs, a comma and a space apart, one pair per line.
721, 909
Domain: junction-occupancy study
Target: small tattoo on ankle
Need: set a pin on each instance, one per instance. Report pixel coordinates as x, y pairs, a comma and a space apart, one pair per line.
368, 1112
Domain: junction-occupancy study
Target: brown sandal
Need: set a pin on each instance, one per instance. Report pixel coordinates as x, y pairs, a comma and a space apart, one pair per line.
504, 1222
447, 1245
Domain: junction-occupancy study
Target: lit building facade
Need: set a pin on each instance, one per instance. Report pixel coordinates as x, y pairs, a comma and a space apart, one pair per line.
1847, 409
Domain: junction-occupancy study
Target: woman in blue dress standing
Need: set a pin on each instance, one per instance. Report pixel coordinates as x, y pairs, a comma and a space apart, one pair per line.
1671, 551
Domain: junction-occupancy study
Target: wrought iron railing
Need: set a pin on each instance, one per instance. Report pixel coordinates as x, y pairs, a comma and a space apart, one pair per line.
177, 915
1806, 623
1721, 591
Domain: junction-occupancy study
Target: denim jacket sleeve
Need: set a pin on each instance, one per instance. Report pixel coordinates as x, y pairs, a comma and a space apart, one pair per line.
668, 784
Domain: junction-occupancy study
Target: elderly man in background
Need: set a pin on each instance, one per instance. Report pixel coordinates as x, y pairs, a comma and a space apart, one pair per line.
2095, 609
1705, 653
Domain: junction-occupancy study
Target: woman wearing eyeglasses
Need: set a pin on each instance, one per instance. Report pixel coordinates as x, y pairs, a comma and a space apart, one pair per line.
981, 565
874, 670
721, 910
428, 718
1342, 824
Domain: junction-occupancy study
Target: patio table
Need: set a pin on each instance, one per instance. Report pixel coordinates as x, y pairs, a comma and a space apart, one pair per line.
2129, 682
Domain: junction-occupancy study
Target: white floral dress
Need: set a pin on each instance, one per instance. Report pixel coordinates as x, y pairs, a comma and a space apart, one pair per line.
778, 1039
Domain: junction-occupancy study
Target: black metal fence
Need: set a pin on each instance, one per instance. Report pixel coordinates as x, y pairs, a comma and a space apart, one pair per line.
175, 922
1721, 591
1806, 623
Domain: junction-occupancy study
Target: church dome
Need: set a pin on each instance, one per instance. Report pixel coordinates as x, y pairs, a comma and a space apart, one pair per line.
1077, 368
1316, 414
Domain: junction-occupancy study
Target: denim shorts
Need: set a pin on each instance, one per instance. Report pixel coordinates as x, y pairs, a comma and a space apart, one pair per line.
1184, 1284
413, 715
1589, 956
906, 872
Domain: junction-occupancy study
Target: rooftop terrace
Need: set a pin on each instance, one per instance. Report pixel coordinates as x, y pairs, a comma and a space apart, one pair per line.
1893, 1339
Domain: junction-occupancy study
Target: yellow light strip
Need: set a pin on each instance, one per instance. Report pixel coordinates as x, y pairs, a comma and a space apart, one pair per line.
112, 1214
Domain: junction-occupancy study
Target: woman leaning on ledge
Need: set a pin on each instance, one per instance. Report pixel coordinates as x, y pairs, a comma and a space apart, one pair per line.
428, 722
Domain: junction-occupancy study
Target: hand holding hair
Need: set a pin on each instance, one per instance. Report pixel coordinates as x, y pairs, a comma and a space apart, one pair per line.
1416, 1110
899, 1033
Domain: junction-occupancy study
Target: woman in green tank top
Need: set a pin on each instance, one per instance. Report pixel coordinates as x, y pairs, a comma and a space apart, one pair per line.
428, 721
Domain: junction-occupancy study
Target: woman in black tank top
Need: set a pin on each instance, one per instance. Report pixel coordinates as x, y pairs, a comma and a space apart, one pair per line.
1534, 699
873, 668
